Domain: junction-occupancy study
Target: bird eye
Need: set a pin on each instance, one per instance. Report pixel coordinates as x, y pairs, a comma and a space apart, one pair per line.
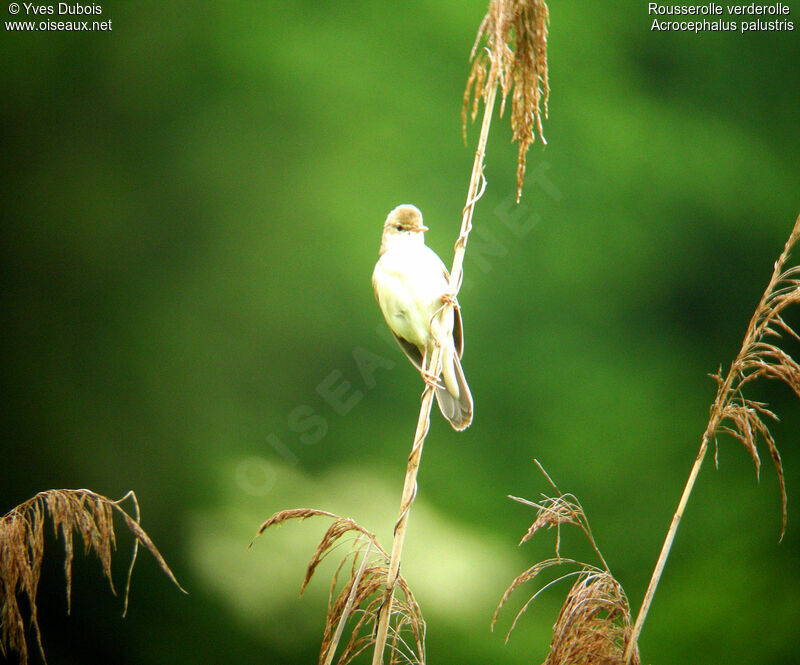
399, 227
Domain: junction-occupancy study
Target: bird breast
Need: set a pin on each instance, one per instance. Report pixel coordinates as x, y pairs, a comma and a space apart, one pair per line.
409, 283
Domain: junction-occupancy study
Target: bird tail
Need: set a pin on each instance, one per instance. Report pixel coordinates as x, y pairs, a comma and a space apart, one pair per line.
454, 398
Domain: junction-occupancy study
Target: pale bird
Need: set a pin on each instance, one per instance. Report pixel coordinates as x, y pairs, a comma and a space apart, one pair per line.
412, 285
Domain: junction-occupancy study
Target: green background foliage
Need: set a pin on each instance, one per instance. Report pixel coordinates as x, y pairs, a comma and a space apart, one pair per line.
191, 211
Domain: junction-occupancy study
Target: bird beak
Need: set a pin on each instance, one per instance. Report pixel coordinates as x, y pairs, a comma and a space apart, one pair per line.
421, 229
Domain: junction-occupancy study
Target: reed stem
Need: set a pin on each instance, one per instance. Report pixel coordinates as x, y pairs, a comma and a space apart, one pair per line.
758, 324
435, 367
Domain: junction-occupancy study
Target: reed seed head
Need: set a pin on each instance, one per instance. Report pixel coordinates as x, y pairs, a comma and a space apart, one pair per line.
360, 598
89, 515
737, 415
594, 625
515, 60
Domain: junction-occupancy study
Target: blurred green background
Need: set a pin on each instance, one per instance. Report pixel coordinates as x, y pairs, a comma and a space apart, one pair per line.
192, 206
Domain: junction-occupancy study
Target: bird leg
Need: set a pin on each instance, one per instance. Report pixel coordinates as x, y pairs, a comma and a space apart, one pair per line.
447, 298
428, 377
450, 299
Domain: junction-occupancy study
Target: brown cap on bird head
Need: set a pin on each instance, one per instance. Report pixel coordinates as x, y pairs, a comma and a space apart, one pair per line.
406, 215
403, 218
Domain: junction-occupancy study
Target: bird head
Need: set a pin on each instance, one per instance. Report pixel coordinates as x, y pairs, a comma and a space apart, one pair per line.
405, 222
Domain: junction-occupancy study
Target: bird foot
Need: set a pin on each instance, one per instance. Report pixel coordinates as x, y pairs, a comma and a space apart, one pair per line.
430, 379
450, 299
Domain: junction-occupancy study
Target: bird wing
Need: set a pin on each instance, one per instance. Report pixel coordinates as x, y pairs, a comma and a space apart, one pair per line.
411, 350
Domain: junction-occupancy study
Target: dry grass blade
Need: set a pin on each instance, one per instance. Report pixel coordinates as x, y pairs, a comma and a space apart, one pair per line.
526, 576
558, 510
355, 584
515, 59
553, 512
285, 515
594, 625
22, 549
362, 594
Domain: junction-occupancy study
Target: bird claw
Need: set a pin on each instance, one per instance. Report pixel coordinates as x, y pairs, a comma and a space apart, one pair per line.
430, 379
449, 299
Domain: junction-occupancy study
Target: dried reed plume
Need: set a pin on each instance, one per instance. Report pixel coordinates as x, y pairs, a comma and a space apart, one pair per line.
522, 69
515, 55
22, 549
733, 413
594, 624
362, 594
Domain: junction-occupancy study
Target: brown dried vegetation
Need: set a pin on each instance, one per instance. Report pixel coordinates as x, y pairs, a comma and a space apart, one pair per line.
515, 58
22, 549
362, 594
741, 417
733, 413
594, 625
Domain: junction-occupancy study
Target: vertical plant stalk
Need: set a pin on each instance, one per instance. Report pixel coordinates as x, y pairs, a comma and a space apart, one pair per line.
665, 550
362, 593
753, 360
423, 422
515, 57
348, 608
